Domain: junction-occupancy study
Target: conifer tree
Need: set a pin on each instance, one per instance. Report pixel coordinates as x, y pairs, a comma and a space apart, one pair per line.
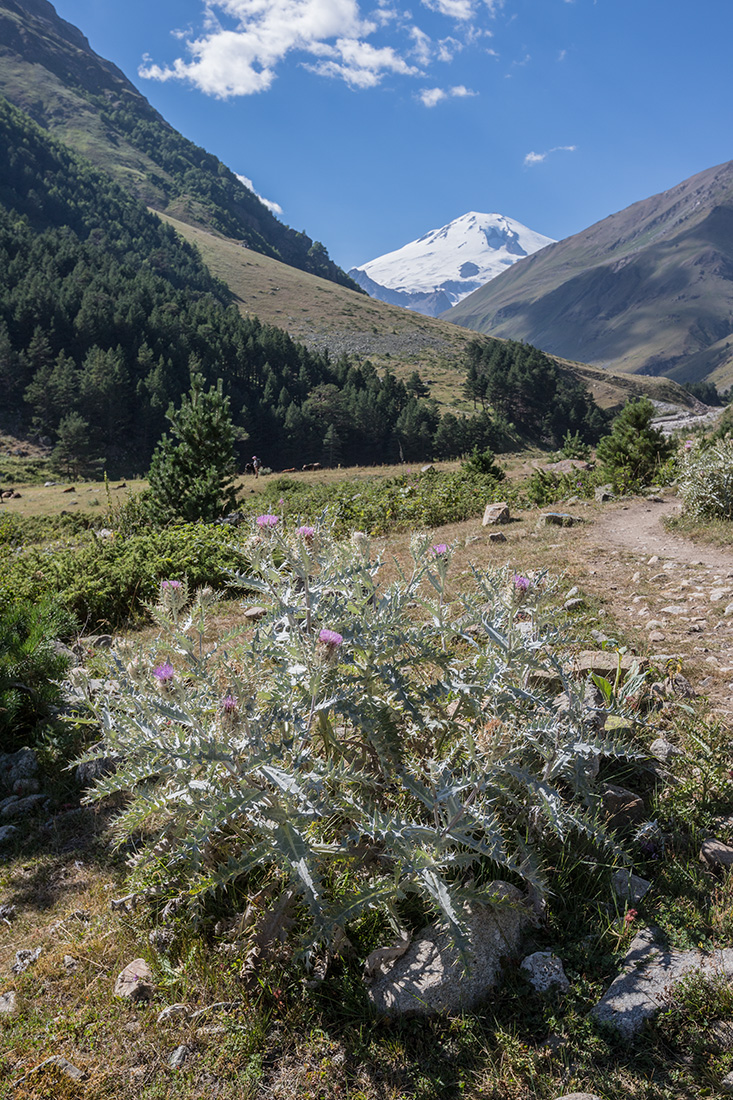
191, 475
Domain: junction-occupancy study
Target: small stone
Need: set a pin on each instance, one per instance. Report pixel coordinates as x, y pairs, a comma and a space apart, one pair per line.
657, 636
63, 1065
496, 513
603, 494
636, 578
653, 560
135, 982
7, 832
70, 964
497, 536
545, 970
726, 1085
9, 1003
719, 1035
179, 1056
7, 912
171, 1012
718, 594
24, 958
214, 1009
574, 605
254, 614
19, 771
728, 610
19, 807
630, 887
571, 593
663, 750
210, 1032
716, 854
556, 519
622, 807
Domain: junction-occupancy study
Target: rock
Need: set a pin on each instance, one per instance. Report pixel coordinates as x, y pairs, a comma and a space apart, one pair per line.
653, 560
179, 1056
210, 1032
7, 832
716, 854
572, 592
556, 519
429, 977
719, 1035
7, 912
657, 636
545, 970
172, 1012
19, 772
96, 641
648, 971
606, 663
62, 650
254, 614
719, 594
57, 1061
24, 958
726, 1085
630, 887
621, 807
9, 1003
663, 750
135, 982
497, 536
19, 807
604, 493
574, 605
70, 964
90, 771
496, 513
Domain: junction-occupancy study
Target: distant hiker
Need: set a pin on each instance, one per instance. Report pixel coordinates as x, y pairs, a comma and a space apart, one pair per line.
256, 465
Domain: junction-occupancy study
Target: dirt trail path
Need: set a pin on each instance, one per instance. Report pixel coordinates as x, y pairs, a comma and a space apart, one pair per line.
638, 528
673, 594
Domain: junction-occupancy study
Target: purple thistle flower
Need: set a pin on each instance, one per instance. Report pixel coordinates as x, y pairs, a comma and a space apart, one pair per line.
306, 533
164, 673
170, 584
521, 583
229, 704
439, 549
267, 521
331, 638
688, 444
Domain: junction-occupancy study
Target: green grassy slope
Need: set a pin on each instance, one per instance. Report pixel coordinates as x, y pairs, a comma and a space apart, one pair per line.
48, 69
648, 290
321, 314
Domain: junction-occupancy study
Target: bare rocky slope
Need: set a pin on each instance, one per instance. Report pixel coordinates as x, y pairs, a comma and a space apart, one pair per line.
648, 290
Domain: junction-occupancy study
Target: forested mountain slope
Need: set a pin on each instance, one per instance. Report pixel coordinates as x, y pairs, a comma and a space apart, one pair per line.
48, 69
647, 290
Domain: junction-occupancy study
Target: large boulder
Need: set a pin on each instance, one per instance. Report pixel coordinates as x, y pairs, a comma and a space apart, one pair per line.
496, 513
429, 977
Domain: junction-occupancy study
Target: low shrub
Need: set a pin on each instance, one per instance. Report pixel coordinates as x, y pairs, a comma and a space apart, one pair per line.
30, 668
107, 581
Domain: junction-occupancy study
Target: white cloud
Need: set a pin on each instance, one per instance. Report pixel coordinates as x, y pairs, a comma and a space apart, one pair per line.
430, 97
454, 9
275, 207
422, 45
538, 158
240, 45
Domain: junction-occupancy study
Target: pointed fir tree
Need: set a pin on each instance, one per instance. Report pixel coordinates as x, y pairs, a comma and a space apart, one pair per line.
191, 475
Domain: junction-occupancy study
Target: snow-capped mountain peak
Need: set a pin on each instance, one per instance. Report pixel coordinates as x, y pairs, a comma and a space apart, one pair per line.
444, 265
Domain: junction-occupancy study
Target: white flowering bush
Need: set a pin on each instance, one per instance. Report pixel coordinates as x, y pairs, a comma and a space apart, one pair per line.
706, 479
361, 742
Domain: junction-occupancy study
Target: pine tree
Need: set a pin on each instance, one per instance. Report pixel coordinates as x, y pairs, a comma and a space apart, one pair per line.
73, 451
191, 475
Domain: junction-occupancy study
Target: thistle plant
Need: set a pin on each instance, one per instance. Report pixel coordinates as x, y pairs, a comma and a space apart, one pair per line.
362, 742
706, 480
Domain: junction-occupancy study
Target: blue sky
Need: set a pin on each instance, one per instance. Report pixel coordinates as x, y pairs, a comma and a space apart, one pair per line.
370, 122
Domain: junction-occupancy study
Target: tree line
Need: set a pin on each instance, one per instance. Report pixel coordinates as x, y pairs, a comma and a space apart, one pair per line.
106, 314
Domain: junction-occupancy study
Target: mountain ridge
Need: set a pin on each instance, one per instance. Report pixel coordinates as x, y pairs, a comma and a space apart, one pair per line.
646, 290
